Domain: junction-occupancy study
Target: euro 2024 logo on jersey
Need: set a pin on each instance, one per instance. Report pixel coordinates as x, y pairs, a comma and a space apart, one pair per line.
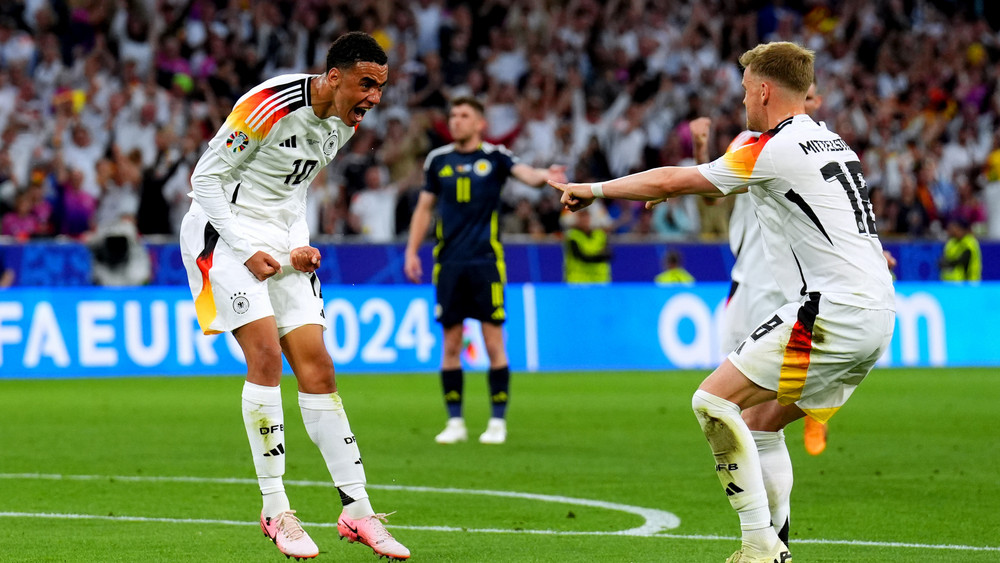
482, 167
237, 141
330, 144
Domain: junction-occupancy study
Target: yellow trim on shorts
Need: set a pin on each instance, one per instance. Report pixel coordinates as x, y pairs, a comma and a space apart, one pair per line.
439, 234
794, 365
822, 415
204, 306
497, 247
204, 303
496, 292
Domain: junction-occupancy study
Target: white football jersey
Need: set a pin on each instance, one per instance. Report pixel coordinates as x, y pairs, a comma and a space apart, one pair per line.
812, 205
276, 145
747, 245
746, 241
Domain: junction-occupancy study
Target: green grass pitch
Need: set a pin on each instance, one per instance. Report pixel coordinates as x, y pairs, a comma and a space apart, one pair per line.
158, 469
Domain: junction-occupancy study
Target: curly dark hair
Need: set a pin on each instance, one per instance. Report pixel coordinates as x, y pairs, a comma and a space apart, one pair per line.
353, 48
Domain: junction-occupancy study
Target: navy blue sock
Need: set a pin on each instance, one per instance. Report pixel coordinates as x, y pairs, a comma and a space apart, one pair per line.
499, 390
451, 382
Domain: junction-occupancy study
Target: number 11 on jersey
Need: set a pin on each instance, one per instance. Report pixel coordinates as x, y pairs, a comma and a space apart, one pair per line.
463, 189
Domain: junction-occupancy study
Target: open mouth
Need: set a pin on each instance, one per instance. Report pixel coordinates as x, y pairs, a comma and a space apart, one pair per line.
359, 113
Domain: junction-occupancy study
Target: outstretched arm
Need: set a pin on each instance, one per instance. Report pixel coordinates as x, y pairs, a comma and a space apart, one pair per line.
650, 185
538, 176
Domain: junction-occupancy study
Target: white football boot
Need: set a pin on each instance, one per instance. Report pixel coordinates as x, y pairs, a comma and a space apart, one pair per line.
453, 432
496, 432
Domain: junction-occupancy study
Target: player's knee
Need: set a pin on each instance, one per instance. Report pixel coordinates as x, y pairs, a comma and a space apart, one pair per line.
264, 358
708, 407
452, 348
317, 376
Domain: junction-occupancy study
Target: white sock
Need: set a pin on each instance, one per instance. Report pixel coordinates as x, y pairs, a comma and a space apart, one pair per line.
738, 467
327, 425
265, 426
776, 468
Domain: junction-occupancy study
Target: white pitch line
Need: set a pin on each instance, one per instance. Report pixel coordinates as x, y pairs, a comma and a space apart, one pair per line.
146, 519
651, 529
655, 520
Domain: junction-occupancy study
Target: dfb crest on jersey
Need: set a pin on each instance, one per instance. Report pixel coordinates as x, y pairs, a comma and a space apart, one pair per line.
330, 145
237, 141
482, 167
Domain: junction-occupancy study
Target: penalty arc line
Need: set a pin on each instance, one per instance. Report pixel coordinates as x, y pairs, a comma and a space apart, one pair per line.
656, 520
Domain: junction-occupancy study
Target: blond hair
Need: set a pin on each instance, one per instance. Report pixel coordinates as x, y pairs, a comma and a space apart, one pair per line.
786, 63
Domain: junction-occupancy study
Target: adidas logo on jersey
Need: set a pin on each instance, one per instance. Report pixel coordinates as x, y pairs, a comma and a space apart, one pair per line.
288, 143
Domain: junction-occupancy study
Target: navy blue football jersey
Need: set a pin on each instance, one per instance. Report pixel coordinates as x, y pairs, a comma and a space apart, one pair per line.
467, 186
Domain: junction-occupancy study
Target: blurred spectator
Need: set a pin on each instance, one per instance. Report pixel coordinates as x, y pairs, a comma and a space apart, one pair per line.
908, 213
373, 209
429, 84
21, 222
136, 130
118, 257
16, 46
154, 212
586, 252
549, 211
350, 168
80, 150
676, 218
118, 180
673, 270
76, 206
406, 145
713, 215
522, 220
429, 16
969, 209
961, 259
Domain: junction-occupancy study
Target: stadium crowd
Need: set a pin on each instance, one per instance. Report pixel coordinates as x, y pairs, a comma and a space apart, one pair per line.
106, 104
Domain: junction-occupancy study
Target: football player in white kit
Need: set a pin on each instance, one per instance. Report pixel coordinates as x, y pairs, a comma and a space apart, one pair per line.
754, 292
245, 245
812, 205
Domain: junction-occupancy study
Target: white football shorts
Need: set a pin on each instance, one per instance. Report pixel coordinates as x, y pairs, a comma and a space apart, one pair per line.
748, 307
227, 296
815, 353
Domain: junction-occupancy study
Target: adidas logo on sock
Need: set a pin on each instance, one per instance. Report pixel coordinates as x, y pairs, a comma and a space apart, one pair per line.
275, 451
288, 143
732, 489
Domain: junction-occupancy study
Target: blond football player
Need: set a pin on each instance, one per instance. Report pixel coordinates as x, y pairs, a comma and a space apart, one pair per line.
811, 201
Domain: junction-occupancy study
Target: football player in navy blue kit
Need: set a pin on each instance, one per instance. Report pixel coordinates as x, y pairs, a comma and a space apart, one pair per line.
463, 181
